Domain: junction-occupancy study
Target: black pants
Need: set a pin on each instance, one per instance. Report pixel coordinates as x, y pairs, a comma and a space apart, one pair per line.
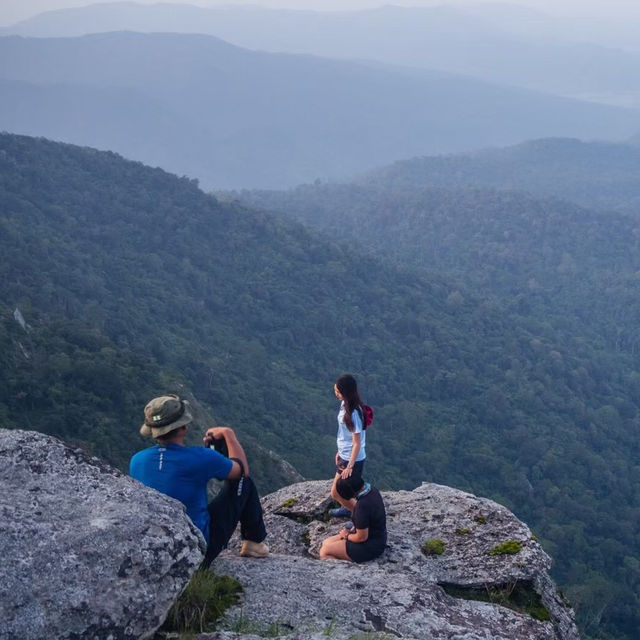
227, 509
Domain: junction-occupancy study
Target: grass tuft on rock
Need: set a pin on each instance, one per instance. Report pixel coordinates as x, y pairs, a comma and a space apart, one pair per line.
246, 626
202, 603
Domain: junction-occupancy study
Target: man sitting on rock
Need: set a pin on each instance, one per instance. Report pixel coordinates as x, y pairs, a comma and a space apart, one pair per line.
366, 539
183, 472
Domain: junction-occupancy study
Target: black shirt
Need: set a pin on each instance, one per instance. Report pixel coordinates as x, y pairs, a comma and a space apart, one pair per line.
369, 513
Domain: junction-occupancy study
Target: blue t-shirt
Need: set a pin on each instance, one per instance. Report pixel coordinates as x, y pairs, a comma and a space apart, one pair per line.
345, 437
182, 473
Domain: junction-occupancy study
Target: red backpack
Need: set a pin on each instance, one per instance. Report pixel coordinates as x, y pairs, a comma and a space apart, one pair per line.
366, 415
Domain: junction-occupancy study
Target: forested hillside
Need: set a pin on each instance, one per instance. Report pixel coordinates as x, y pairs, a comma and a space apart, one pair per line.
594, 174
130, 278
257, 314
565, 399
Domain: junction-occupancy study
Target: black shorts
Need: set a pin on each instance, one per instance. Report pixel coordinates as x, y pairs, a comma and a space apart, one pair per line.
355, 479
365, 551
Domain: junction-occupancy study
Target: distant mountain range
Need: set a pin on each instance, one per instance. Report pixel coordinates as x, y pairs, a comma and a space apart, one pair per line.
235, 118
497, 43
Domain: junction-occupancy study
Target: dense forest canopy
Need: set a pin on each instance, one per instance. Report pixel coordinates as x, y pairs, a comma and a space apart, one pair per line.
129, 279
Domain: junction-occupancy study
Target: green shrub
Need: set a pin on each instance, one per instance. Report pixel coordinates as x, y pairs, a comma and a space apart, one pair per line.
205, 599
288, 503
509, 547
462, 532
433, 547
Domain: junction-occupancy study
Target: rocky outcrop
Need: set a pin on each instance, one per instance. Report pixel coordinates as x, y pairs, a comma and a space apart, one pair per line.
412, 591
87, 552
90, 553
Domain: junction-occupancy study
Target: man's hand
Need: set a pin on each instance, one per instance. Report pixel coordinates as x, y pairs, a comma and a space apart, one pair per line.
215, 433
233, 448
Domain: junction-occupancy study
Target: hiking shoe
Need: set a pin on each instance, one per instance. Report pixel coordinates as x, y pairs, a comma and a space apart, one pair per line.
250, 549
340, 512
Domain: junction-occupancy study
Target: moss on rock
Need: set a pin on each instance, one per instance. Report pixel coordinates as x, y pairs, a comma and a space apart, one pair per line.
433, 547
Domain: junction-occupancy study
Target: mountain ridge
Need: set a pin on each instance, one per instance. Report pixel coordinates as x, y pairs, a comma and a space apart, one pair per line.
237, 118
455, 39
593, 174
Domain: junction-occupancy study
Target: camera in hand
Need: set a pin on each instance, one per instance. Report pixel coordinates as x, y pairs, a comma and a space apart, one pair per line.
220, 445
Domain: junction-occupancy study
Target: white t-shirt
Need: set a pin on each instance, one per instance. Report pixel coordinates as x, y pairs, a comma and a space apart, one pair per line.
345, 437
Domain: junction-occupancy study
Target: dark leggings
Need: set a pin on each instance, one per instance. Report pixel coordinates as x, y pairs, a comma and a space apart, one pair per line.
227, 509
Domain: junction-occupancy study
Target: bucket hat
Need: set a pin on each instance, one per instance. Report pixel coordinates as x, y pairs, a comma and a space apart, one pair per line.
164, 414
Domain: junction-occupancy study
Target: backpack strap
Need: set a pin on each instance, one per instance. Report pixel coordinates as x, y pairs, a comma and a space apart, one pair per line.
241, 481
361, 413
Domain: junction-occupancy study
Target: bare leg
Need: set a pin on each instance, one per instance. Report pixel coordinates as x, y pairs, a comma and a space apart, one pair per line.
335, 548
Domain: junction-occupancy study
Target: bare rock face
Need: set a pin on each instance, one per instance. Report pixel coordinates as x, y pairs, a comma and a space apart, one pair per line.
412, 591
87, 551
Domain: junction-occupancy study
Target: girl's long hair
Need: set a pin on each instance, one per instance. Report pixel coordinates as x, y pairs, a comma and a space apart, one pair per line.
348, 388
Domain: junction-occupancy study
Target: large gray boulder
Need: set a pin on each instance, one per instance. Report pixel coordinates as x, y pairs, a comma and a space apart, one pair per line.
87, 551
405, 593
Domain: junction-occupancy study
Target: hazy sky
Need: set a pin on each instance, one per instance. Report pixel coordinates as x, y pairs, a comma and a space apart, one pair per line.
14, 10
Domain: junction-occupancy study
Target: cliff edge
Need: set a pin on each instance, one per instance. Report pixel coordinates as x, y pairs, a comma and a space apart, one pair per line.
457, 567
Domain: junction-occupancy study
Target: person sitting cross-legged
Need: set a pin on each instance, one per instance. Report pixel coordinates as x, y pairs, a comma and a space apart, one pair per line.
368, 537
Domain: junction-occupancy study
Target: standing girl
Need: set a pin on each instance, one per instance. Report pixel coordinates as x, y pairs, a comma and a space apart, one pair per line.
351, 440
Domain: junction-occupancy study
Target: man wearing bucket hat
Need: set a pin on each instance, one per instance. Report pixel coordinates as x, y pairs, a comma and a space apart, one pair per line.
183, 472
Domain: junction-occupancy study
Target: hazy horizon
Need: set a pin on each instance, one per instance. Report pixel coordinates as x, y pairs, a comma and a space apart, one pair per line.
12, 11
